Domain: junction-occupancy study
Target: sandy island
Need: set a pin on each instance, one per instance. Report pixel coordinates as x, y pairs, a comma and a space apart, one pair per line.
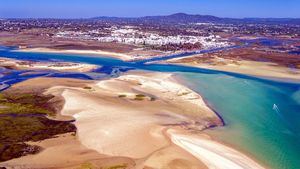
73, 51
254, 68
58, 66
137, 54
132, 122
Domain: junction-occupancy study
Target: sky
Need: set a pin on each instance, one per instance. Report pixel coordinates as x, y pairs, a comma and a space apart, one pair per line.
136, 8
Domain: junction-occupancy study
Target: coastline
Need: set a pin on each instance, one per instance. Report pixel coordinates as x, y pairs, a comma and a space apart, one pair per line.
252, 68
138, 78
144, 121
56, 66
213, 153
120, 56
135, 55
240, 162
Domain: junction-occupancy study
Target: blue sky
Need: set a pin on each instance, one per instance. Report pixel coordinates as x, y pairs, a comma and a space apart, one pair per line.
91, 8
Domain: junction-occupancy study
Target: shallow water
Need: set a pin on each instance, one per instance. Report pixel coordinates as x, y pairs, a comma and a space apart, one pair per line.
261, 119
262, 116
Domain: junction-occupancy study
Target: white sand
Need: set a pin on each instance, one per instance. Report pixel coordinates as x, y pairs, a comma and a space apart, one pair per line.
91, 52
170, 89
137, 129
127, 127
255, 68
59, 66
213, 154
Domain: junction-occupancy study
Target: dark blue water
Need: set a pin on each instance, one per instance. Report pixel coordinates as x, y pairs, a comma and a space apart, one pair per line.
262, 116
297, 52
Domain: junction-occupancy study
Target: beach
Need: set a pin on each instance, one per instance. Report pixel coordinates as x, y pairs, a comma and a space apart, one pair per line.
130, 56
253, 68
214, 154
248, 67
132, 120
57, 66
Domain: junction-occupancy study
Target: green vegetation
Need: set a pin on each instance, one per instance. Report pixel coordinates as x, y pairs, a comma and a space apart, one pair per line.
122, 95
25, 104
139, 97
121, 166
184, 93
87, 166
23, 117
87, 87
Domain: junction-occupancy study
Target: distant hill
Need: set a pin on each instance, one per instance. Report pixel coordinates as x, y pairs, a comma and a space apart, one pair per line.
187, 18
183, 18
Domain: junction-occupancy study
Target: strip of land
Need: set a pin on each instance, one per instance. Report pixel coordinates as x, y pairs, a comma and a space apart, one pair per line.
58, 66
73, 51
133, 55
251, 66
254, 68
212, 153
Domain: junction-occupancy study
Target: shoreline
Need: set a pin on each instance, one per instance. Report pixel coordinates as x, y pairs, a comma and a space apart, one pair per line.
104, 96
137, 119
214, 153
124, 57
56, 66
181, 81
266, 70
278, 73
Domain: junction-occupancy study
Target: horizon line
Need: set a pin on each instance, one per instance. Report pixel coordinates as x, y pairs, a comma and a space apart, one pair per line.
135, 17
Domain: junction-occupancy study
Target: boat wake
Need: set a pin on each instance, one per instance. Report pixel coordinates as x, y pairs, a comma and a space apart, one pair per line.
275, 108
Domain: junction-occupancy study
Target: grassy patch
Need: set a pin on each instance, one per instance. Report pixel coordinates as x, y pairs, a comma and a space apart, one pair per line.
184, 93
17, 150
87, 87
86, 166
120, 166
23, 117
139, 97
122, 95
25, 104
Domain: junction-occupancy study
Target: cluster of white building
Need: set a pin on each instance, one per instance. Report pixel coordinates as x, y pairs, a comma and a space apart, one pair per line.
130, 35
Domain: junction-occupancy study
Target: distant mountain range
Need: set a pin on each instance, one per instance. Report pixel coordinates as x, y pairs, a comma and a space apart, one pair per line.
187, 18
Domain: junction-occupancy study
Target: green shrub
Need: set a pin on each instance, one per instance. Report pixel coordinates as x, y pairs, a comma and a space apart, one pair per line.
122, 95
86, 166
87, 87
121, 166
139, 97
23, 119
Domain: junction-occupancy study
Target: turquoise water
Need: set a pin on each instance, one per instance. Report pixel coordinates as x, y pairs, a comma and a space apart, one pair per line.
262, 117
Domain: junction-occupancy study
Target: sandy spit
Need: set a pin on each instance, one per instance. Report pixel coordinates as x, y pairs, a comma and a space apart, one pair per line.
89, 52
213, 154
